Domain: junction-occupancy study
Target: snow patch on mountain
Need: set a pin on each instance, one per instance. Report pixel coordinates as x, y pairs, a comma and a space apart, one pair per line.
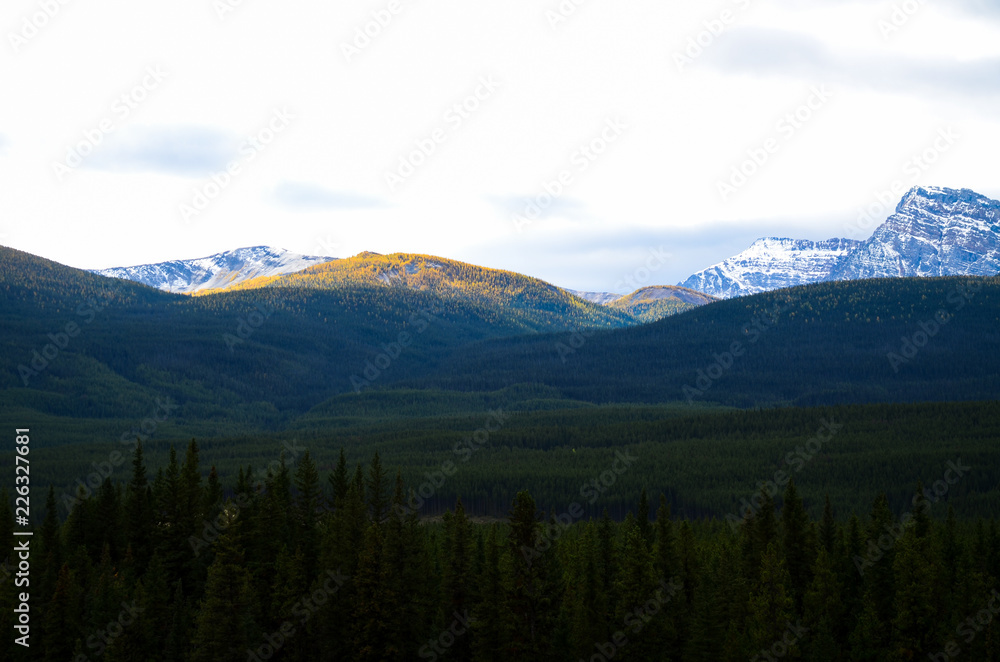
771, 263
602, 298
215, 271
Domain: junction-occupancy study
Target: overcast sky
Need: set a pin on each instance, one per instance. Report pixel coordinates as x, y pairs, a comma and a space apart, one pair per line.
622, 121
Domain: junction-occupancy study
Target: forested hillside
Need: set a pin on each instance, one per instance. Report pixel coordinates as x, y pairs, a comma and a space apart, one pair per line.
865, 341
531, 302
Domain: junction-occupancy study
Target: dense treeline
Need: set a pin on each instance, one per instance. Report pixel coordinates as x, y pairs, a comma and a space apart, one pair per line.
704, 460
294, 566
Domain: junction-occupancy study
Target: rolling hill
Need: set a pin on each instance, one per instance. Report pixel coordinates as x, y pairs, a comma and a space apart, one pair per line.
257, 358
533, 303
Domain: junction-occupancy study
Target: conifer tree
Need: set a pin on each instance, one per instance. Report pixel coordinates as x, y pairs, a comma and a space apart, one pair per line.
489, 637
797, 545
529, 609
139, 512
824, 610
643, 517
457, 578
371, 600
771, 608
62, 616
306, 507
225, 628
338, 481
916, 620
376, 488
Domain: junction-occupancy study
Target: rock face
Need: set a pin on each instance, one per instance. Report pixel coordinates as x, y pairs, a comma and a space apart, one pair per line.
215, 271
770, 264
934, 232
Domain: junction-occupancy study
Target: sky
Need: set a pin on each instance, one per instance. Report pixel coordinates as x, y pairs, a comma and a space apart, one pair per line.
584, 142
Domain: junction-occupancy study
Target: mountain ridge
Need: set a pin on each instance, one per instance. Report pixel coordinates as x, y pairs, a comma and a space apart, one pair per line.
935, 231
216, 271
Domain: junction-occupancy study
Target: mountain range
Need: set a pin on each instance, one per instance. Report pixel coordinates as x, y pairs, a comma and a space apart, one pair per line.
933, 232
263, 266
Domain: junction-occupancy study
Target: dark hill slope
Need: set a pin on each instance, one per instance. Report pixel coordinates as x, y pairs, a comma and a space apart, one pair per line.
822, 343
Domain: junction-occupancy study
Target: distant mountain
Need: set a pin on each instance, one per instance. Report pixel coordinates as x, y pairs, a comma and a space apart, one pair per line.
650, 304
215, 271
602, 298
516, 298
934, 232
772, 263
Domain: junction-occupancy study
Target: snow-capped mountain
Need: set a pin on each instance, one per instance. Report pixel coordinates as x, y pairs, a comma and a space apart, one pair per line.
215, 271
934, 232
602, 298
771, 263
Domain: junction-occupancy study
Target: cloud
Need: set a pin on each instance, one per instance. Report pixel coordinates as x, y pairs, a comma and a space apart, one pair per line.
510, 206
300, 196
601, 258
189, 151
759, 51
3, 144
978, 8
